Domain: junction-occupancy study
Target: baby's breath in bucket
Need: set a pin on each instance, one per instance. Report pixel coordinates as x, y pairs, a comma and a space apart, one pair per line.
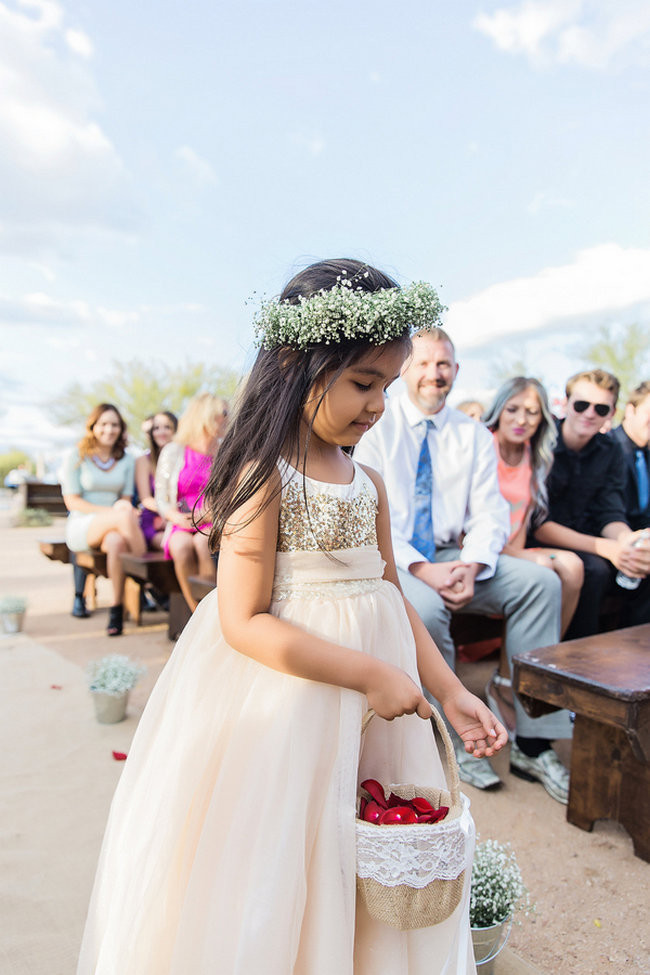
114, 674
497, 886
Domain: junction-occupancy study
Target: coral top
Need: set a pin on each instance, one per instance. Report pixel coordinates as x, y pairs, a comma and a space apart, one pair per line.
514, 484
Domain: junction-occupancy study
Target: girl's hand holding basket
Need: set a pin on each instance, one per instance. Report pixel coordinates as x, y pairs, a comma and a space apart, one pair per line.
391, 693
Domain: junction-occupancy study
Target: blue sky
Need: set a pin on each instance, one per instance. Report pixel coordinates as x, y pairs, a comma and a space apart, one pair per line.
162, 162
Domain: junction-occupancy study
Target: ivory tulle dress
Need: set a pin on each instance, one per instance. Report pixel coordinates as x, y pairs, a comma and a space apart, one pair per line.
230, 847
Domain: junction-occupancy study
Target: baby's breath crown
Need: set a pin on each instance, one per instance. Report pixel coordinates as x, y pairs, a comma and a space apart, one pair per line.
347, 312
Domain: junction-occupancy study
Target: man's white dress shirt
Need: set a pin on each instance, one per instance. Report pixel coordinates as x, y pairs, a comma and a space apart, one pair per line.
466, 497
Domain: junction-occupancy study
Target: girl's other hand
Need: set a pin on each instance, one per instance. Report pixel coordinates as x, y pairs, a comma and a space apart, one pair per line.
481, 732
392, 693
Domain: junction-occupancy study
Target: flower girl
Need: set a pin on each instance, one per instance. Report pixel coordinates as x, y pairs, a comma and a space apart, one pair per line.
230, 847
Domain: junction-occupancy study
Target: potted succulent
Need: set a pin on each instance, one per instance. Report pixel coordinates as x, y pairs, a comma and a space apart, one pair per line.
12, 613
110, 680
497, 891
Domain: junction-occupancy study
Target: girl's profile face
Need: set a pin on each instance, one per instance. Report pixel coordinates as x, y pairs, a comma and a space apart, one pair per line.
520, 418
107, 429
162, 429
356, 399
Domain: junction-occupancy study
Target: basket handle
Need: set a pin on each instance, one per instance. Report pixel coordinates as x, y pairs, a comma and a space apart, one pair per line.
450, 754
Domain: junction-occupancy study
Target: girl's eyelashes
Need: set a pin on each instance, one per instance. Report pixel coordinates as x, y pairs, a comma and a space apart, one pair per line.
362, 386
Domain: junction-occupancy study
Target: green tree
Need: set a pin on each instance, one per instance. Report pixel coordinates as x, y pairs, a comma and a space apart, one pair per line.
11, 459
139, 389
507, 366
623, 351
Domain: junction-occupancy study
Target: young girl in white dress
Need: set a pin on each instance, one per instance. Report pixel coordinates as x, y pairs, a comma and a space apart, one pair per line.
230, 847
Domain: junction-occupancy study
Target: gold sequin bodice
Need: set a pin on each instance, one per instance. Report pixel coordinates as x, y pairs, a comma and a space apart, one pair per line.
341, 516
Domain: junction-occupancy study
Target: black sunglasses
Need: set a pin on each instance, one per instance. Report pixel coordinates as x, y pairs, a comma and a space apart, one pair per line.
581, 405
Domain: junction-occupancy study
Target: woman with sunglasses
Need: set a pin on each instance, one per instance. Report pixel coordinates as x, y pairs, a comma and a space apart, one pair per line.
524, 436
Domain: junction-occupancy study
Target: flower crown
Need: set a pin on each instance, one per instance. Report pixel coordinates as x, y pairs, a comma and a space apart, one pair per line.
347, 312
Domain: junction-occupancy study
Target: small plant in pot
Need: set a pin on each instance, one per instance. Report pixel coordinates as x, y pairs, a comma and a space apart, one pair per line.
12, 614
497, 891
110, 680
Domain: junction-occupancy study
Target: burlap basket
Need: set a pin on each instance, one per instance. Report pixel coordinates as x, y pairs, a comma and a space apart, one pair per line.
412, 876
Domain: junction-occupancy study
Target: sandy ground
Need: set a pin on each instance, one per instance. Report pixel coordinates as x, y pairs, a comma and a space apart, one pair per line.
591, 893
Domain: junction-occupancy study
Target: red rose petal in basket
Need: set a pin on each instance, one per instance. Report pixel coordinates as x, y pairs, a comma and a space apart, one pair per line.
372, 813
363, 802
421, 806
394, 800
119, 756
439, 814
398, 814
374, 790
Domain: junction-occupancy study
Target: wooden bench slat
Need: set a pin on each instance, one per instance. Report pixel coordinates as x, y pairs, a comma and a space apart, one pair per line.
55, 549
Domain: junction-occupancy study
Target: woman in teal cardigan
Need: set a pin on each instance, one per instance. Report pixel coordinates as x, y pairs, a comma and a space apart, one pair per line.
97, 483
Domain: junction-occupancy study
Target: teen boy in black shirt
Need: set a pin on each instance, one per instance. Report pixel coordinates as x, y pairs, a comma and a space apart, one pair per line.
586, 511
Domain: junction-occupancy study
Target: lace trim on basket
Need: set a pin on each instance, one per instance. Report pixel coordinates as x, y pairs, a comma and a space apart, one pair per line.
413, 855
337, 589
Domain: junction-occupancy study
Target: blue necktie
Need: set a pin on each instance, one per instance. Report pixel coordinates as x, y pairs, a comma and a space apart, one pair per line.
423, 538
642, 479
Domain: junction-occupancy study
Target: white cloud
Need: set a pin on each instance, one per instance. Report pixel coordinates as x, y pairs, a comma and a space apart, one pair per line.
602, 282
591, 33
200, 168
55, 153
80, 43
39, 308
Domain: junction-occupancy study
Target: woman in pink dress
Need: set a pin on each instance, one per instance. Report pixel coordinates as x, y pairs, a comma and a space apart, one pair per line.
182, 473
524, 436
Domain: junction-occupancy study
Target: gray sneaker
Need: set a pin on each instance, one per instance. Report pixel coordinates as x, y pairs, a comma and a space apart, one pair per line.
546, 768
476, 771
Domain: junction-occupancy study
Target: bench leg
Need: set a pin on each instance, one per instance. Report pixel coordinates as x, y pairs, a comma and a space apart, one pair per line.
179, 614
132, 604
90, 591
609, 782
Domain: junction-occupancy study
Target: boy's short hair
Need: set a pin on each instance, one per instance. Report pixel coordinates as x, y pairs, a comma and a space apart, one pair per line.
639, 394
605, 380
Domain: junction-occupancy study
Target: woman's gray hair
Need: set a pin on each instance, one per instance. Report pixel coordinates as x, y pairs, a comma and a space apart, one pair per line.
541, 443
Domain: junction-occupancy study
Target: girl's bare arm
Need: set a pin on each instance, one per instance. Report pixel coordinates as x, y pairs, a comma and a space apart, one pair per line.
244, 586
473, 721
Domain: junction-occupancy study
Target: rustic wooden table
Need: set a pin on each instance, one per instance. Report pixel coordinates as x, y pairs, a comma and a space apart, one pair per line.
605, 680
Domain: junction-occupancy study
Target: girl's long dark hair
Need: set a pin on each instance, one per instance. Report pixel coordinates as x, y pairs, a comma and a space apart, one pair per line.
266, 421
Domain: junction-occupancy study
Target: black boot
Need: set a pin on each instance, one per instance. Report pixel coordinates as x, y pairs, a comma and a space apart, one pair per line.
79, 607
115, 620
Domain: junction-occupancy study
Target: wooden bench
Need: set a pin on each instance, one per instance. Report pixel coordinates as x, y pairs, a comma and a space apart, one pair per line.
154, 568
38, 494
605, 680
469, 632
94, 562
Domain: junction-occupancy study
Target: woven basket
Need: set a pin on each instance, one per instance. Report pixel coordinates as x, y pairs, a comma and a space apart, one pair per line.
394, 863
